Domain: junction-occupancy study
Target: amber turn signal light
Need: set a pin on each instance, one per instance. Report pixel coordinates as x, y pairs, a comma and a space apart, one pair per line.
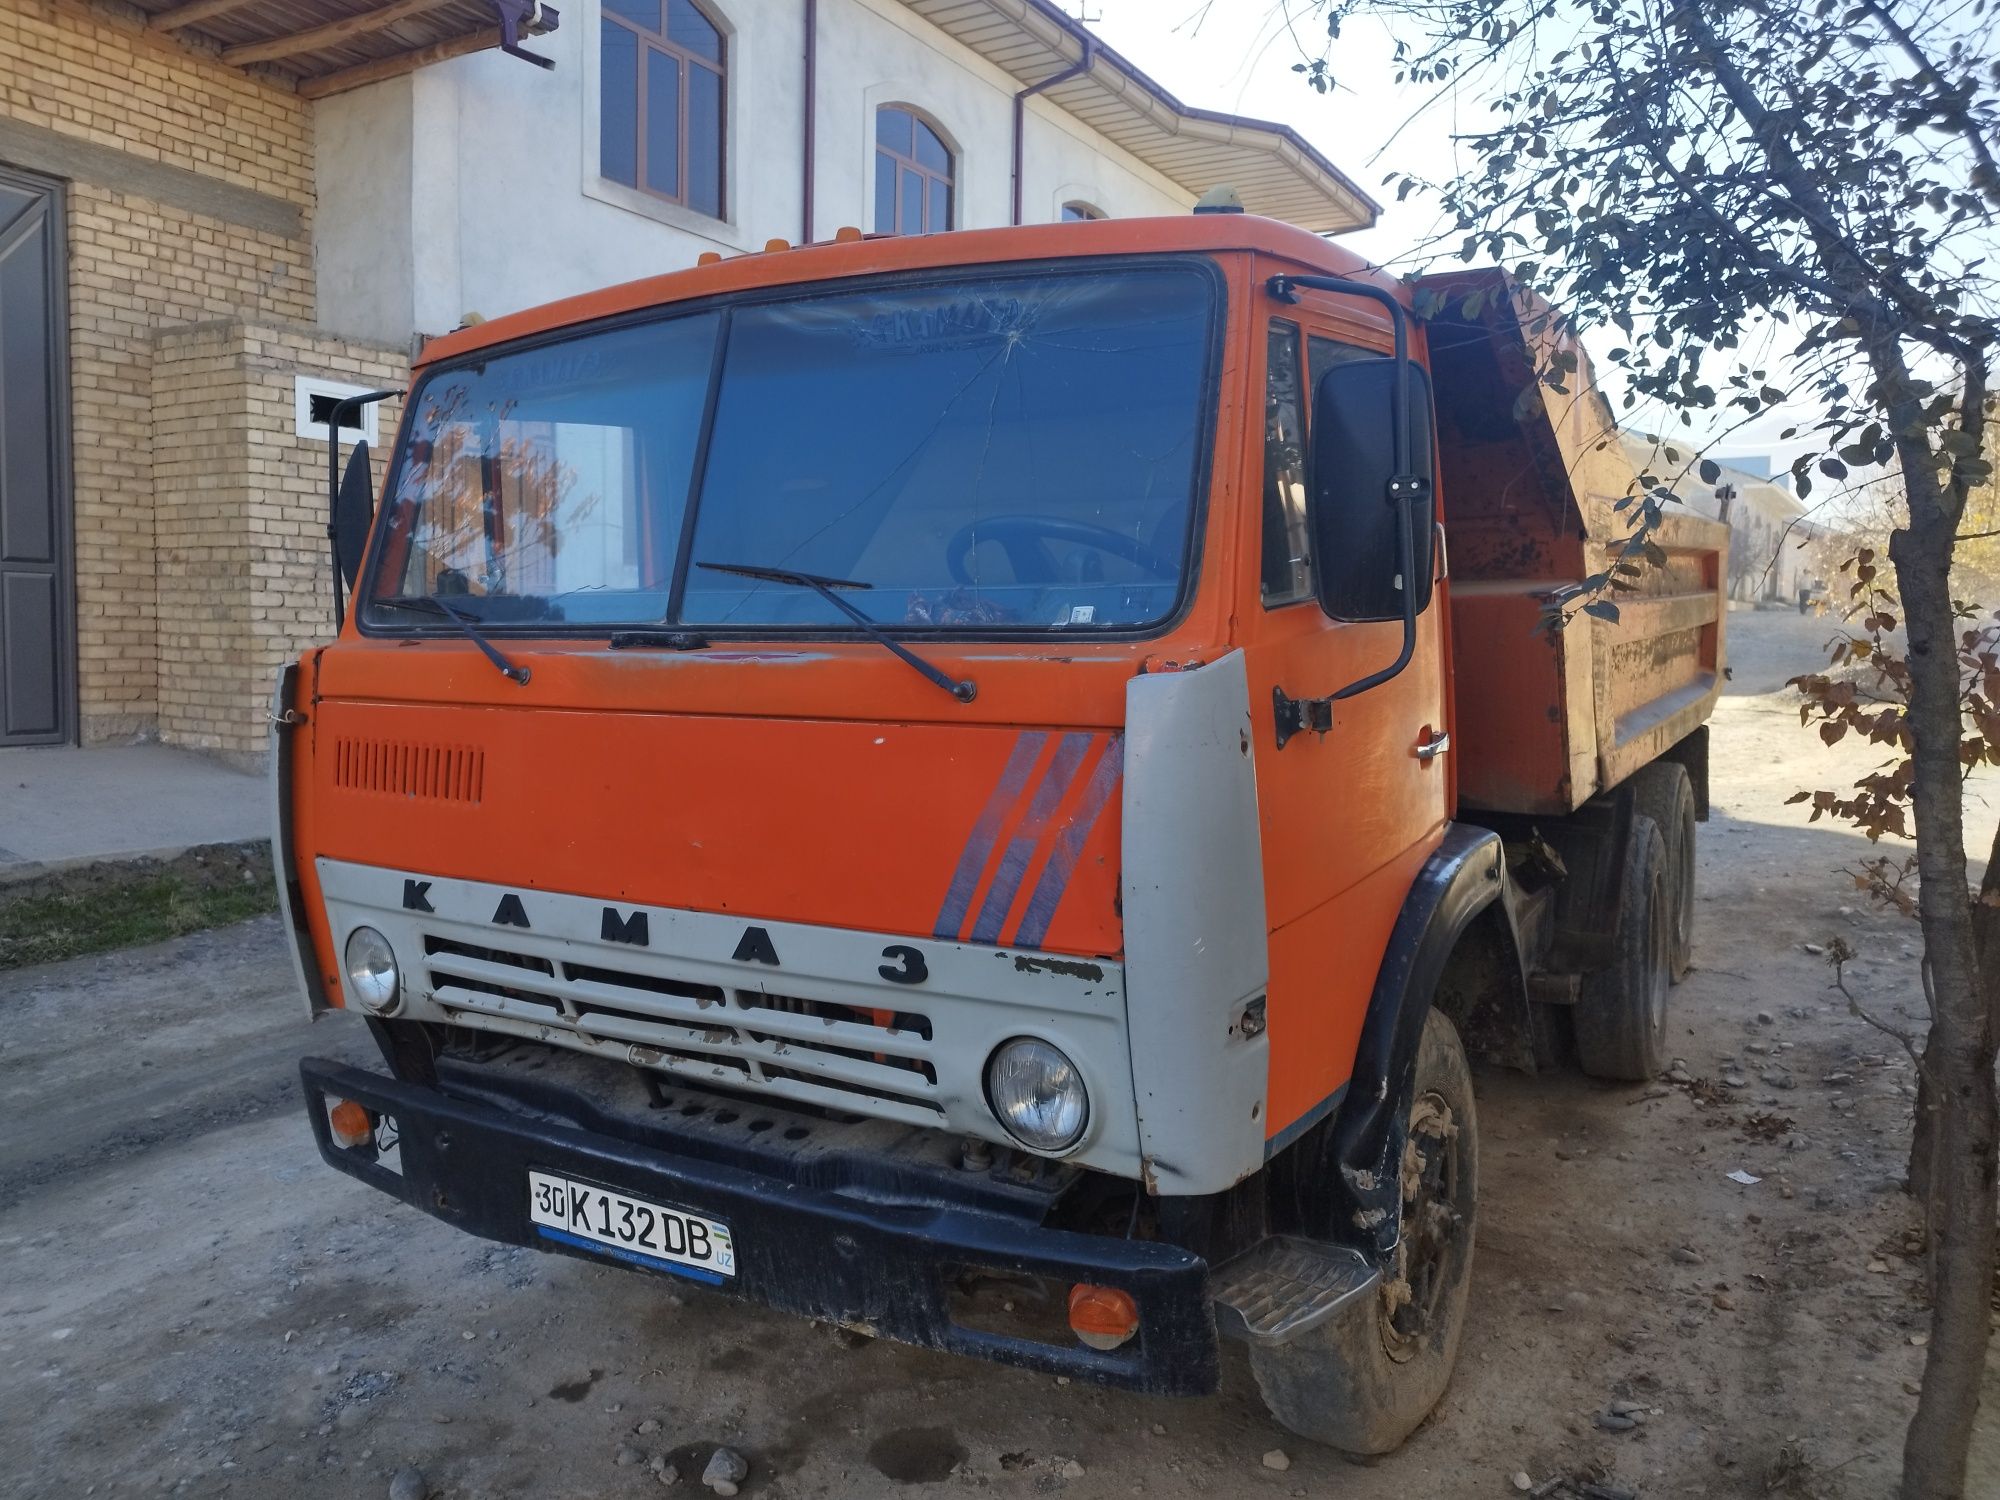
1102, 1316
350, 1122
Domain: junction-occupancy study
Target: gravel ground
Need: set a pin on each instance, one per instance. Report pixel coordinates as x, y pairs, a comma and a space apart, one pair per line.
191, 1304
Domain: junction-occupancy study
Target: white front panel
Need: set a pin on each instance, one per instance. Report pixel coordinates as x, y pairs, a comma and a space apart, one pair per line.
1196, 948
871, 1024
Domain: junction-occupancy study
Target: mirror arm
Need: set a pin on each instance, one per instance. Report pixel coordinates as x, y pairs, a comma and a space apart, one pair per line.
1406, 488
345, 410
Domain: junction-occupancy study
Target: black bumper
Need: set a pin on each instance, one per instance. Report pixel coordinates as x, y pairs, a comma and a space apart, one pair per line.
888, 1268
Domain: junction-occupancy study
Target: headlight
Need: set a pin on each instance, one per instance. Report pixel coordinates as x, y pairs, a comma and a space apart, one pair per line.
371, 971
1037, 1094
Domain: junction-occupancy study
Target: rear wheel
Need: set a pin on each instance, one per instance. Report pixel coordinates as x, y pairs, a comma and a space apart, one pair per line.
1663, 793
1365, 1380
1621, 1016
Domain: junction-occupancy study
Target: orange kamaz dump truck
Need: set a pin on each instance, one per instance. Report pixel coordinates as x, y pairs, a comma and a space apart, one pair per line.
983, 788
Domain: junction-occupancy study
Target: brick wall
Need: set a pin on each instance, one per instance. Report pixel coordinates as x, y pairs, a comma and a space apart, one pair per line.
241, 513
139, 264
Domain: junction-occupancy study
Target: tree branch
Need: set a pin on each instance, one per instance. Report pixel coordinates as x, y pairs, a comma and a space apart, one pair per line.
1954, 113
1846, 259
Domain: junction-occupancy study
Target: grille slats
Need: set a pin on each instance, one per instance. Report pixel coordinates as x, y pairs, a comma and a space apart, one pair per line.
829, 1067
487, 1002
817, 1051
439, 773
464, 966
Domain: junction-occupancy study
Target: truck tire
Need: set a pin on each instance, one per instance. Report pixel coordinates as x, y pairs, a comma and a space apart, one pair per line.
1621, 1016
1363, 1381
1663, 793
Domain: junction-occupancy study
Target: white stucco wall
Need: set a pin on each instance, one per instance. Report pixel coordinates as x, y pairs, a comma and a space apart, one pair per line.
472, 186
362, 226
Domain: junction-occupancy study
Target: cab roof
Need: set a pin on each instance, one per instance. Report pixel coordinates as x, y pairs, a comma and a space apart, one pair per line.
868, 255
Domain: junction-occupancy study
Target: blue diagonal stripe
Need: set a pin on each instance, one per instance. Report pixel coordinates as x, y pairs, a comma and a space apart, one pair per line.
1069, 847
1021, 849
972, 859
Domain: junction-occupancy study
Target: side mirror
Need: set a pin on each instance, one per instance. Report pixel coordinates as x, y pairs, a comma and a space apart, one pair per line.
1357, 531
350, 497
353, 511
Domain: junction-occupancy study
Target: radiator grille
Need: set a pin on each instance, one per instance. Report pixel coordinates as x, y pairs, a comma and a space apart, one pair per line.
443, 773
815, 1051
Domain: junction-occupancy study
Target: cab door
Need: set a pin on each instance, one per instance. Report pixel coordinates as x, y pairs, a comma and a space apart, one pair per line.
1348, 815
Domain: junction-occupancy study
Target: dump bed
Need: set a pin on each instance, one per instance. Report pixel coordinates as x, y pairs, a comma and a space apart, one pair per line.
1530, 478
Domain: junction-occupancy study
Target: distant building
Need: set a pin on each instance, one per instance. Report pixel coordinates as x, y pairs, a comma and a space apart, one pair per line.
1772, 546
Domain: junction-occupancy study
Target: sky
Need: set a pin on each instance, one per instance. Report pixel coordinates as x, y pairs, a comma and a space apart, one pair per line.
1237, 55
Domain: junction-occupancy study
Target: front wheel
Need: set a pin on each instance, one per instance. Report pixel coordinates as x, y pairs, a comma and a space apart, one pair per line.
1364, 1381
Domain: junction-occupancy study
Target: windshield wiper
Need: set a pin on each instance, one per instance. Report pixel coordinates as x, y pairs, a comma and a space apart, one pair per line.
964, 690
432, 604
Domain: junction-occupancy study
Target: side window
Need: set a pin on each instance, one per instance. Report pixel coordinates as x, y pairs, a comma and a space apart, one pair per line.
661, 70
913, 175
1287, 539
1324, 353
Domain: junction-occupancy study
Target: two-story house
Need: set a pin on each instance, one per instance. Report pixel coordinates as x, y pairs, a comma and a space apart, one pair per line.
218, 215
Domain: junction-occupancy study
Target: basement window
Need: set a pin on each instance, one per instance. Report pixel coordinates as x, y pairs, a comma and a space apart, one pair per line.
313, 401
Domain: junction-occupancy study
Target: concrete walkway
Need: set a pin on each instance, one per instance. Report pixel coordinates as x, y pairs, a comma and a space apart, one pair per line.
67, 804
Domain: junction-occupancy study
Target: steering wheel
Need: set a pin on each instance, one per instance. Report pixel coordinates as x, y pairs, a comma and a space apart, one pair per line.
1025, 541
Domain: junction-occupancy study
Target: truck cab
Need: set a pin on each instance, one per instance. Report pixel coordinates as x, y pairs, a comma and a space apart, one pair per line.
907, 778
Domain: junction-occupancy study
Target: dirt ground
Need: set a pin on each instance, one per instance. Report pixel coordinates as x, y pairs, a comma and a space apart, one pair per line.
191, 1304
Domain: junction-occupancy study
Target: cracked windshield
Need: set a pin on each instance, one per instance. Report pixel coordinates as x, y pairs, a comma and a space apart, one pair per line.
999, 454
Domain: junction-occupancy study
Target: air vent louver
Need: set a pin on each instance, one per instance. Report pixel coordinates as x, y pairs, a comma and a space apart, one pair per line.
443, 773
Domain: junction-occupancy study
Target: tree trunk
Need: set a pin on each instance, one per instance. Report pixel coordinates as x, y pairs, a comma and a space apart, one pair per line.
1923, 1137
1959, 1053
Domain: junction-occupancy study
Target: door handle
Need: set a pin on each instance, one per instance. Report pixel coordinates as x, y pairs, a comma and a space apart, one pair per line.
1433, 747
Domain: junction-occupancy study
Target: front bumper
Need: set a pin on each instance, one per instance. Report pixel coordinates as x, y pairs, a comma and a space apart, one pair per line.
885, 1267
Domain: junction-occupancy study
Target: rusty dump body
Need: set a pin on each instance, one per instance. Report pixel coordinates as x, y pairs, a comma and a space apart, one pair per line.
1533, 477
745, 895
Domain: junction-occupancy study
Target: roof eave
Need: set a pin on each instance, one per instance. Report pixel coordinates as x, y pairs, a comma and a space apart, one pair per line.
1348, 207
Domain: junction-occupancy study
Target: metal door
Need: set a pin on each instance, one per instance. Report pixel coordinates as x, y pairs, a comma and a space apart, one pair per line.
37, 620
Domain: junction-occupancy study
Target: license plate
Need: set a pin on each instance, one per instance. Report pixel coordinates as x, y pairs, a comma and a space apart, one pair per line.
630, 1228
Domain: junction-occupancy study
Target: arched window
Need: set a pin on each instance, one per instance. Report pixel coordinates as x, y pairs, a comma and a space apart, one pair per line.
913, 175
661, 70
1074, 213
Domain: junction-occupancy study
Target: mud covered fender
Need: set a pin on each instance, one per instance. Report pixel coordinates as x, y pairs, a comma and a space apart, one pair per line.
1341, 1181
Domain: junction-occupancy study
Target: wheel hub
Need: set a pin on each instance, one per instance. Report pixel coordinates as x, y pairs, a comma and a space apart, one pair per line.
1432, 1228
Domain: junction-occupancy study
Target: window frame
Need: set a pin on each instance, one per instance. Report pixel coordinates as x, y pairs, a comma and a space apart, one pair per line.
1207, 417
930, 175
684, 60
1077, 211
1302, 367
